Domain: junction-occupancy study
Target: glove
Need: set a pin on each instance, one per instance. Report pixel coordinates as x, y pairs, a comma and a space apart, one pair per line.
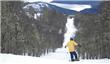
79, 45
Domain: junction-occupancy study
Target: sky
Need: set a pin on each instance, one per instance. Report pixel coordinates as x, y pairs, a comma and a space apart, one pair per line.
39, 0
60, 0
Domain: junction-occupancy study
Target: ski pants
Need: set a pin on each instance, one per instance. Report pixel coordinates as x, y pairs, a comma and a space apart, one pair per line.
73, 55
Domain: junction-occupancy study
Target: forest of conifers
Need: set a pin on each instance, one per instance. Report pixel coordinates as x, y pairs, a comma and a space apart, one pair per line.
23, 35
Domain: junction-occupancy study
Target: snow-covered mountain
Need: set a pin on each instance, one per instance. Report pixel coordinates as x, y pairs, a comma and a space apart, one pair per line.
37, 6
35, 9
66, 7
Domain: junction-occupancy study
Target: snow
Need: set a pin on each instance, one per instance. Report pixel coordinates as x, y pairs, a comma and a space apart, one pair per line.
70, 30
76, 7
36, 15
62, 52
35, 6
58, 57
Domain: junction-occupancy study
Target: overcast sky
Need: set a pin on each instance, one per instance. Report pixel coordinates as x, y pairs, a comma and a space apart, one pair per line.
63, 0
38, 0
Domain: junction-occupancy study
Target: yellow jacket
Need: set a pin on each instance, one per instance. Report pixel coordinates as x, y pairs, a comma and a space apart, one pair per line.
71, 45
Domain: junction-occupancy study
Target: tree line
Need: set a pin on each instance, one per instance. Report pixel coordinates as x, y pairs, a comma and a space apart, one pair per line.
24, 35
94, 33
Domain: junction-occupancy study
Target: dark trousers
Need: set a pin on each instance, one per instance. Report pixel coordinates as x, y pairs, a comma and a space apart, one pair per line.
72, 55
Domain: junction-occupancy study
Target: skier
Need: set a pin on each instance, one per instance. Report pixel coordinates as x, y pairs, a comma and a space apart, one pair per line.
72, 49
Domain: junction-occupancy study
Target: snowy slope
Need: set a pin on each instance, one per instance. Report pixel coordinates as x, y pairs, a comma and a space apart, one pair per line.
60, 56
52, 58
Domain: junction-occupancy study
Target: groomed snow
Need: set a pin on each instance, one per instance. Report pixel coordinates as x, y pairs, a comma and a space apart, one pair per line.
52, 58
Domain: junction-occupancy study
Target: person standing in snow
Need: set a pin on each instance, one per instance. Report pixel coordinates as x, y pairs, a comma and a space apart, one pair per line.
72, 49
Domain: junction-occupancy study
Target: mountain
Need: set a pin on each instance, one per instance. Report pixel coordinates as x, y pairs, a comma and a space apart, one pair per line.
67, 7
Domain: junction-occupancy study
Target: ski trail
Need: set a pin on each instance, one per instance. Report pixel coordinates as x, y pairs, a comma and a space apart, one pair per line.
70, 30
61, 53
